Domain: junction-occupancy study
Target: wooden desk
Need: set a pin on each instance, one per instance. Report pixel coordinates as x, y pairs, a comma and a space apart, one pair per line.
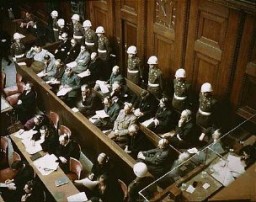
5, 106
59, 193
200, 194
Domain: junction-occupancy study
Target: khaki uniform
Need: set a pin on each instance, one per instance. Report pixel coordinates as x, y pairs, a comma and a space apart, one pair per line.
180, 96
78, 32
204, 116
90, 40
17, 50
103, 48
133, 70
155, 81
55, 28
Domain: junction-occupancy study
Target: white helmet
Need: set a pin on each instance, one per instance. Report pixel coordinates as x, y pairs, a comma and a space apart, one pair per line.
87, 23
206, 87
54, 13
132, 50
61, 22
100, 30
152, 60
17, 36
180, 73
140, 169
75, 17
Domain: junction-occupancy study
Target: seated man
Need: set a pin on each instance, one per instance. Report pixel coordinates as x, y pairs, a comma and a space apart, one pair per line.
90, 102
70, 84
145, 106
37, 122
157, 160
163, 120
38, 53
81, 62
32, 192
67, 148
116, 76
26, 105
182, 137
73, 51
48, 67
27, 21
63, 48
112, 109
122, 122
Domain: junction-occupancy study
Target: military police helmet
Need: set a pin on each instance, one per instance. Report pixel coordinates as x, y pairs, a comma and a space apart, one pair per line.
180, 73
87, 23
75, 17
152, 60
206, 87
61, 22
17, 36
132, 50
140, 169
100, 30
54, 13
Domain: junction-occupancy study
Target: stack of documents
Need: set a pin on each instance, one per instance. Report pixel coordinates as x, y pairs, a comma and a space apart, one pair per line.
63, 91
46, 164
80, 197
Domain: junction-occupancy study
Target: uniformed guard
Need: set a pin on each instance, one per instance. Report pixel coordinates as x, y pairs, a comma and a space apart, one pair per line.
134, 72
103, 44
77, 28
207, 103
17, 48
181, 90
90, 37
62, 28
55, 27
155, 80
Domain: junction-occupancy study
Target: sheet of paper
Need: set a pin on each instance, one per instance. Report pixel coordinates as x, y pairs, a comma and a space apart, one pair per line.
72, 64
235, 165
22, 64
80, 197
206, 185
190, 189
25, 134
53, 82
74, 109
32, 147
147, 122
84, 74
63, 91
104, 89
102, 114
94, 118
47, 164
40, 74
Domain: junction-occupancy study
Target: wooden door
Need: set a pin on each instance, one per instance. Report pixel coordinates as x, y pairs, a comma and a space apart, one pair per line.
211, 44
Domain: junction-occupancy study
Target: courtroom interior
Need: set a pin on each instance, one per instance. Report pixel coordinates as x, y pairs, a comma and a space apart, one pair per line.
128, 100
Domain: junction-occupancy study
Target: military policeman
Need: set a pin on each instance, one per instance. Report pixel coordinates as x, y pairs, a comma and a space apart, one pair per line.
103, 44
17, 48
54, 15
90, 37
207, 103
155, 80
134, 72
77, 28
181, 88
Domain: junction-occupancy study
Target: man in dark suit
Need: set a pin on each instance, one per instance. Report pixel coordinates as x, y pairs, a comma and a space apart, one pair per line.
71, 81
157, 160
67, 148
26, 105
63, 48
89, 102
73, 51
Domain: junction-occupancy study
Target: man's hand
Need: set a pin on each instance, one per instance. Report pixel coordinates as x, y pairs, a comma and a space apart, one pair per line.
63, 159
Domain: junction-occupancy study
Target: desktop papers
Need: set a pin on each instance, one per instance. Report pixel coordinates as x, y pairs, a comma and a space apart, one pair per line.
72, 64
84, 74
103, 86
64, 91
25, 134
46, 164
22, 64
77, 197
31, 146
147, 122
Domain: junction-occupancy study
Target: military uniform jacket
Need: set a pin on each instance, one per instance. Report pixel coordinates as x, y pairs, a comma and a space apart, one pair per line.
73, 81
90, 37
62, 50
77, 29
206, 104
82, 60
103, 44
155, 77
180, 88
17, 49
116, 78
113, 111
134, 64
123, 121
72, 53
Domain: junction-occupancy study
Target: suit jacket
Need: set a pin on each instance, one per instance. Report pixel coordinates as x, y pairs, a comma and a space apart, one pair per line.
62, 50
82, 60
51, 142
123, 121
186, 131
73, 81
70, 150
91, 103
28, 101
72, 53
165, 118
95, 68
113, 111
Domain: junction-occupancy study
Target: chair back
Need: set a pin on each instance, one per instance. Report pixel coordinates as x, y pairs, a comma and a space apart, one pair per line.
21, 87
75, 166
64, 129
18, 78
54, 117
124, 189
4, 144
15, 157
3, 80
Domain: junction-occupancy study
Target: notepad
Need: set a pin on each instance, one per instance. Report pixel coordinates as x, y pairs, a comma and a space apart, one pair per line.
61, 181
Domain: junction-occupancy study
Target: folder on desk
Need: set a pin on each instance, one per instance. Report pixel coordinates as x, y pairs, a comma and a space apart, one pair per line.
35, 156
61, 181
